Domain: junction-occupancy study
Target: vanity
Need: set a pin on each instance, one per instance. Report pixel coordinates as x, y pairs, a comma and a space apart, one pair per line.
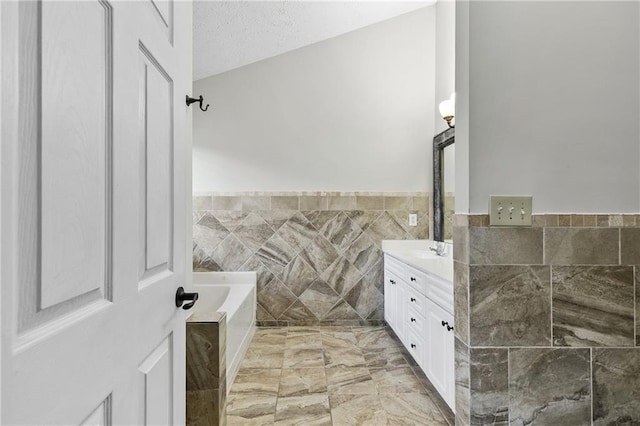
418, 300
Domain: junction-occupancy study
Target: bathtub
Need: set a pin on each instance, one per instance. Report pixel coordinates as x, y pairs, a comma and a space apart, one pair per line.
235, 294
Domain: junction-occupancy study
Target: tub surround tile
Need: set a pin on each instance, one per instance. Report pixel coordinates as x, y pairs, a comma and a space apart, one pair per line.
203, 356
550, 386
593, 306
319, 298
369, 203
581, 246
342, 203
411, 409
616, 386
226, 202
312, 410
364, 410
630, 246
509, 306
203, 262
202, 202
461, 300
363, 218
420, 203
463, 398
298, 232
320, 254
319, 218
276, 298
209, 232
284, 202
506, 246
342, 311
341, 275
250, 203
364, 298
489, 386
231, 254
253, 232
293, 237
298, 313
341, 232
398, 203
276, 217
302, 381
363, 253
461, 246
204, 408
298, 276
314, 202
385, 228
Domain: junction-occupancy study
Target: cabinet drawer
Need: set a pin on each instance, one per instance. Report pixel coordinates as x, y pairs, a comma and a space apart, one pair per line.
416, 347
394, 266
416, 279
414, 322
415, 301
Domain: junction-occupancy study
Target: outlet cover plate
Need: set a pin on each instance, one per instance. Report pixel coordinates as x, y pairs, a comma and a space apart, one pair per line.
510, 210
413, 219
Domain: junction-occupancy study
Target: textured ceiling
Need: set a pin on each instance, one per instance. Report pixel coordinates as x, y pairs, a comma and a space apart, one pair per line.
230, 34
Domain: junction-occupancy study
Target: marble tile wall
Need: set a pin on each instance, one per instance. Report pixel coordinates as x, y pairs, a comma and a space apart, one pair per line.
318, 255
206, 367
547, 321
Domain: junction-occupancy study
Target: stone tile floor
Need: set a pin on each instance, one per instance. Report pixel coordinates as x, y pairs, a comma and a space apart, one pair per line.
332, 376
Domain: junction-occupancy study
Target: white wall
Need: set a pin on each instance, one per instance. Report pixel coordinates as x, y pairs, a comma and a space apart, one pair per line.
353, 113
445, 57
553, 105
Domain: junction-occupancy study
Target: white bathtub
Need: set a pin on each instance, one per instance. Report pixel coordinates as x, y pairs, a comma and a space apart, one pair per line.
235, 294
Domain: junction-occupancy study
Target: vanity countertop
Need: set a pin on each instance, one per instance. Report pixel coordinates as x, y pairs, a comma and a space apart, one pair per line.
417, 253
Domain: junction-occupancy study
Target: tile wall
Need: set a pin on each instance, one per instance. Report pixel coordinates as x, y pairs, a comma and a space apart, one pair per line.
318, 255
206, 346
547, 321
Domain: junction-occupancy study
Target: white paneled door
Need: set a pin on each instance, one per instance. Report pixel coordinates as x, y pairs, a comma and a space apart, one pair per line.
92, 211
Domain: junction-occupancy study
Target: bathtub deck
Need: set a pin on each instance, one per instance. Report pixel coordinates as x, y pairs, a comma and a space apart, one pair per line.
332, 376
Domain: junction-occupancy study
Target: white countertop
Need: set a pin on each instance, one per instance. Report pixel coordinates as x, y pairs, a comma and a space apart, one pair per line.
416, 253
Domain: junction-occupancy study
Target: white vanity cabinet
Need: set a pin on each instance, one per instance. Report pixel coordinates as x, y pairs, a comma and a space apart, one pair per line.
419, 309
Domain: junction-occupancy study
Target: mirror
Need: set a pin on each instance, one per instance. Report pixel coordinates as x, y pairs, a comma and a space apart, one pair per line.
443, 185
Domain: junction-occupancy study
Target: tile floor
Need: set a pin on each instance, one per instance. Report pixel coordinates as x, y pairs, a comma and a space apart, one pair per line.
332, 376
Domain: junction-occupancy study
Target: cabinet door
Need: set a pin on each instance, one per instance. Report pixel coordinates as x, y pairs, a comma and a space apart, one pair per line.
400, 312
439, 358
390, 298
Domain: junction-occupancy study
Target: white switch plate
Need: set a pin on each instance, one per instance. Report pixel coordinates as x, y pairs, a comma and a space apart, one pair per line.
413, 219
510, 210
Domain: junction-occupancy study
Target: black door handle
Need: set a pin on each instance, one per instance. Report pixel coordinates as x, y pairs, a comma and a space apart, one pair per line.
182, 296
413, 320
413, 299
413, 278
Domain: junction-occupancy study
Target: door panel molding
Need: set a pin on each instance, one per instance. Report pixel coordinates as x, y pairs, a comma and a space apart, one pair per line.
157, 170
41, 301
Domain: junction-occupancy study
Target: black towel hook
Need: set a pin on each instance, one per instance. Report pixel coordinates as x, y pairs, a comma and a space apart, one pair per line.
191, 100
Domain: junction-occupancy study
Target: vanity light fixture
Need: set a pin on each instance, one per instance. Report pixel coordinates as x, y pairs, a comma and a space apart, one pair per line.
448, 109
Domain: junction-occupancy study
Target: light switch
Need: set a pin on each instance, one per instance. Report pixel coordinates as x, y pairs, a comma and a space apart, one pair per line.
510, 210
413, 219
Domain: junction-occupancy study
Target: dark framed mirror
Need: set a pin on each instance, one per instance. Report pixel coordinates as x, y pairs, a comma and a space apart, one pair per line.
443, 180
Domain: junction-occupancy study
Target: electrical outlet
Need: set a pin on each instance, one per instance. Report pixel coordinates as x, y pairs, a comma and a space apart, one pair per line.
510, 211
413, 219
